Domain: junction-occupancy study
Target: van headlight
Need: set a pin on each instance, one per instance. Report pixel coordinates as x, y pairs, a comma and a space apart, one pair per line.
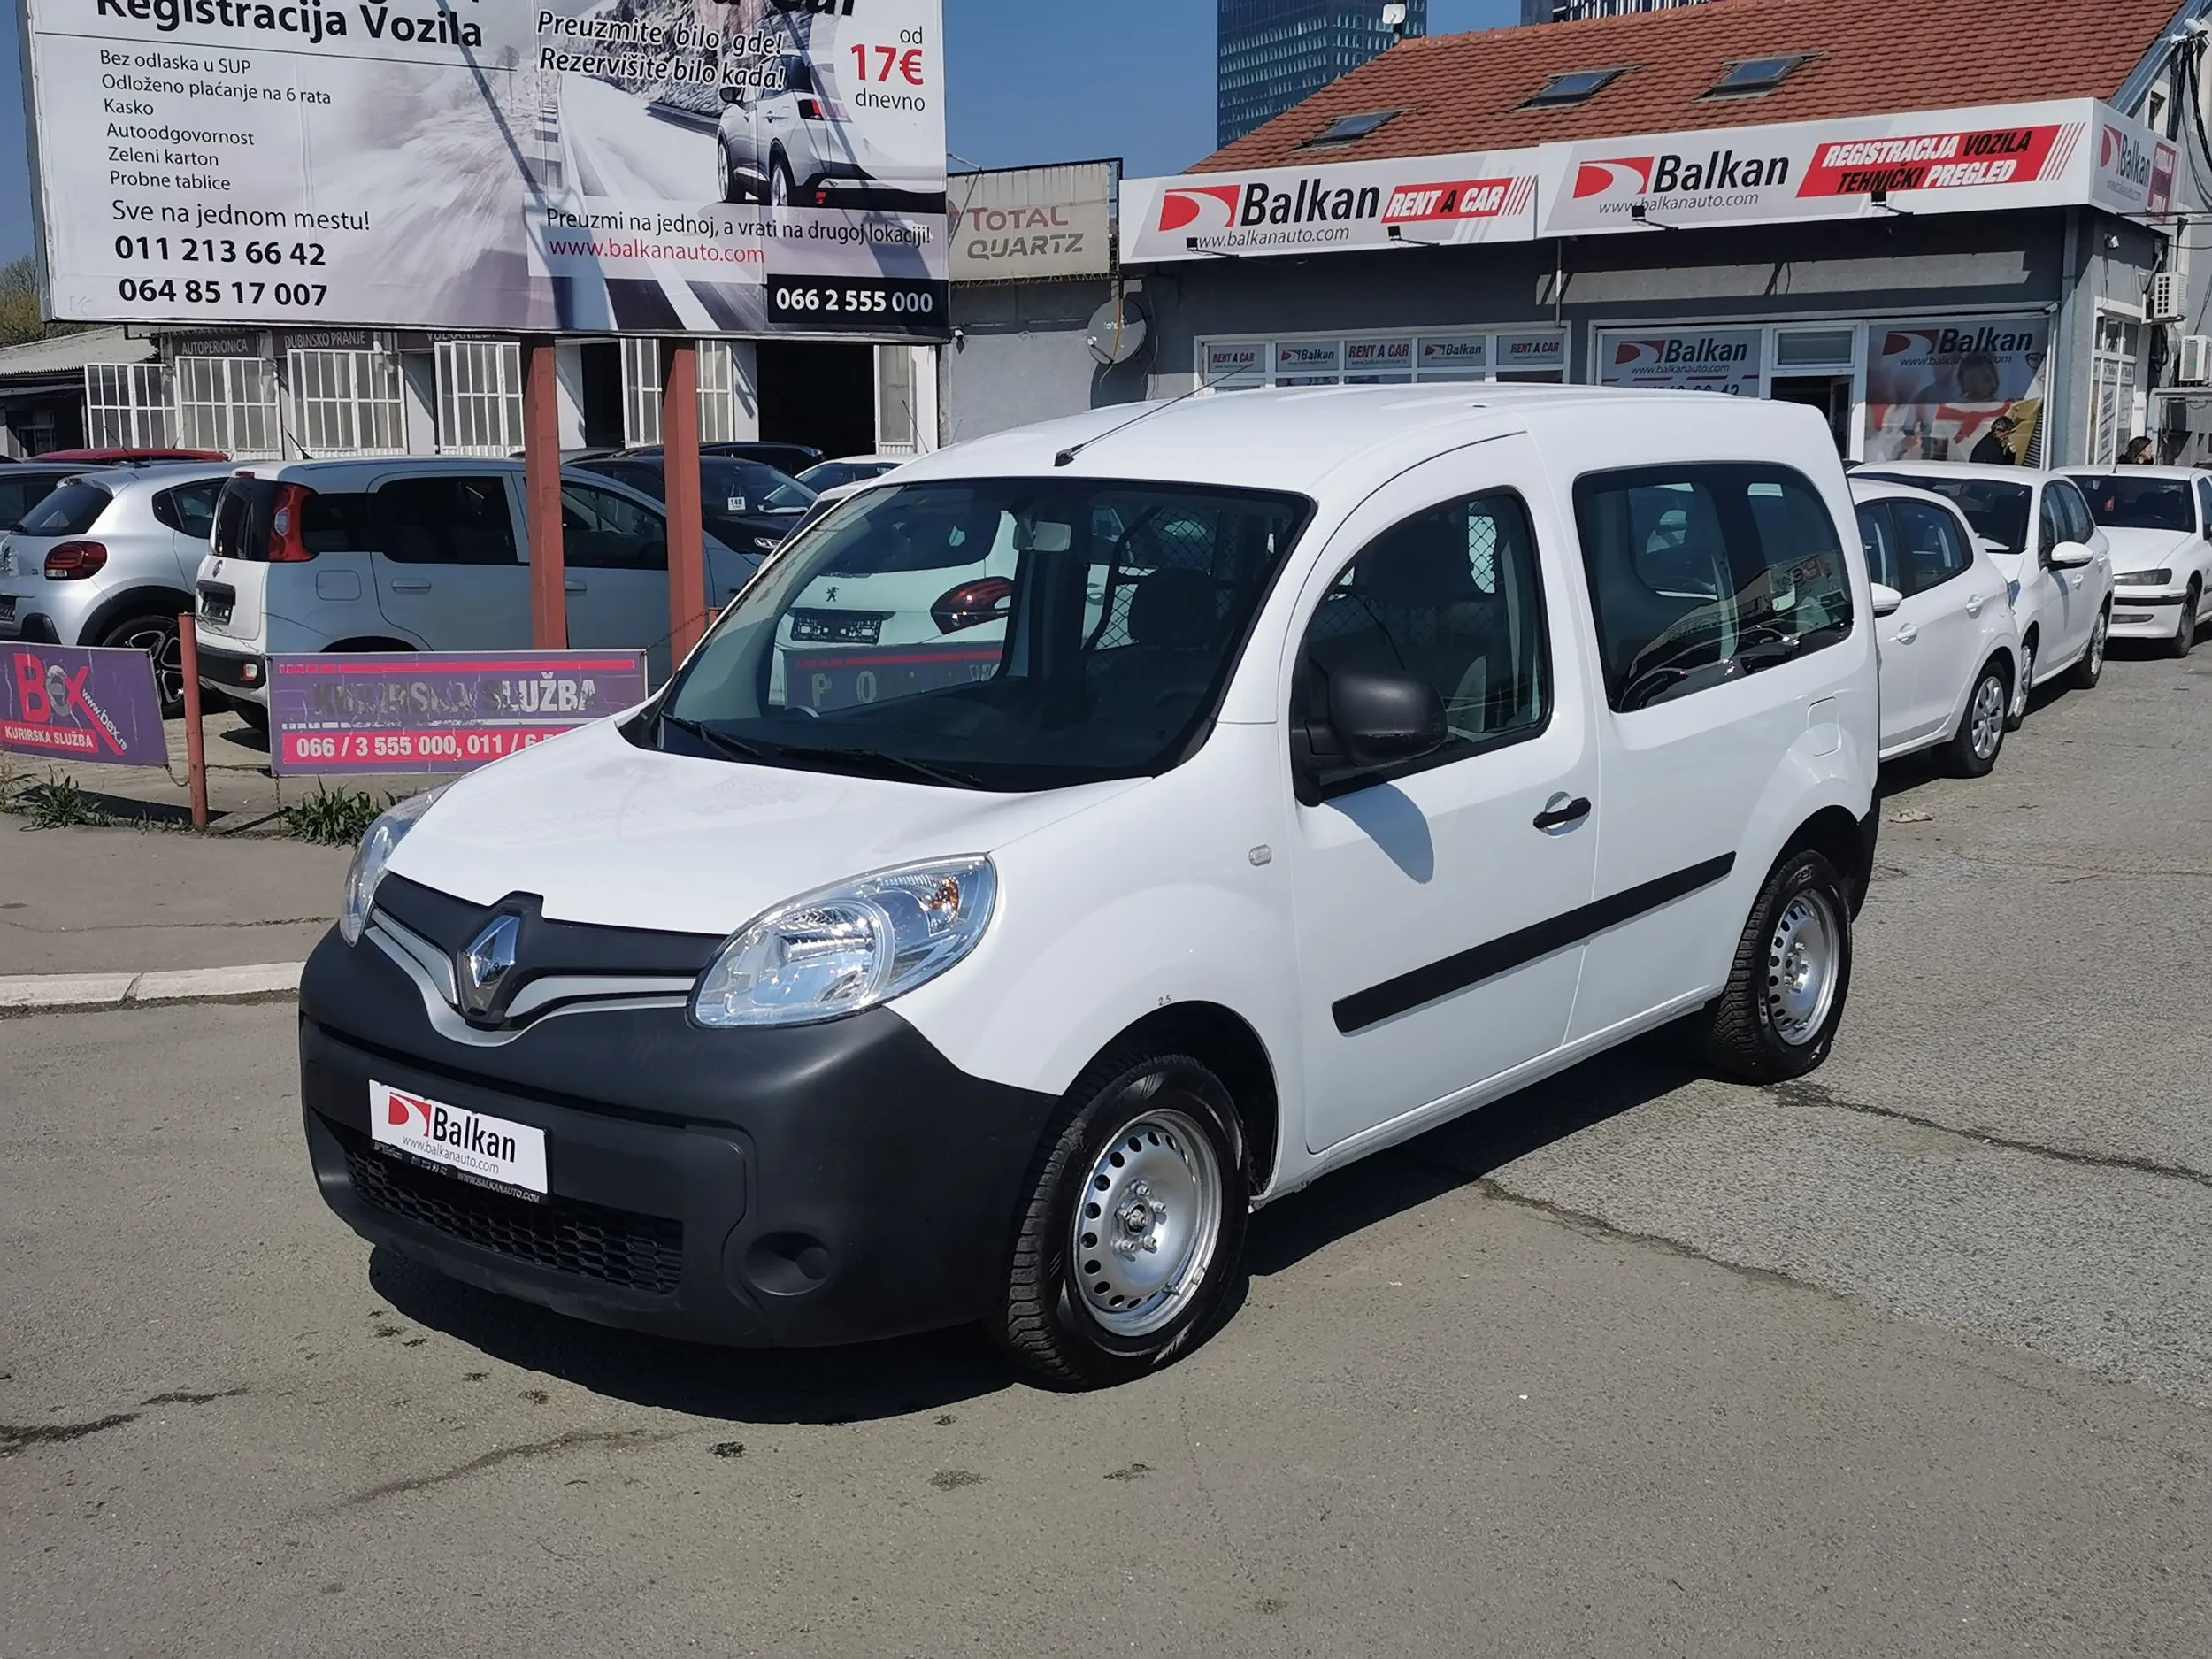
843, 949
372, 857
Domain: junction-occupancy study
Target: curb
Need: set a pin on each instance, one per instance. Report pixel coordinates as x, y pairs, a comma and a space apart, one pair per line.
61, 993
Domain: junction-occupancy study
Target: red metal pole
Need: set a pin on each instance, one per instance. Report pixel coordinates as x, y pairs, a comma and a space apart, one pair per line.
542, 477
680, 453
195, 744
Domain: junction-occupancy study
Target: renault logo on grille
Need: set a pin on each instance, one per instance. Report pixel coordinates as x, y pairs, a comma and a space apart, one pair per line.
491, 958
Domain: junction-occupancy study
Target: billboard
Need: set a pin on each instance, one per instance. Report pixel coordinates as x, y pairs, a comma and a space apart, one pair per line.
98, 705
428, 711
2067, 152
1961, 388
1028, 222
1683, 360
671, 166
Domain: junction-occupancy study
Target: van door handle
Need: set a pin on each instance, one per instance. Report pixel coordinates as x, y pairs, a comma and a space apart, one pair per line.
1559, 812
415, 586
573, 586
1907, 634
1974, 605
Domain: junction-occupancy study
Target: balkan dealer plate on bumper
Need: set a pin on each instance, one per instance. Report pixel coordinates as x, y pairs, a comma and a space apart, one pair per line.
488, 1150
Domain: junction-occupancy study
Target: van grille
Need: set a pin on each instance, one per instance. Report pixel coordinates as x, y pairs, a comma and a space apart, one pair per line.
614, 1247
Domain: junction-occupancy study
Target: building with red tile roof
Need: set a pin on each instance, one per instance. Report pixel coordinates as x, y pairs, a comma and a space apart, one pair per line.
1920, 223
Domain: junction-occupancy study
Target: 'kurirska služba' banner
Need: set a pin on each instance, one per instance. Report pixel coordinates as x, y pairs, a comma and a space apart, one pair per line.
94, 704
674, 166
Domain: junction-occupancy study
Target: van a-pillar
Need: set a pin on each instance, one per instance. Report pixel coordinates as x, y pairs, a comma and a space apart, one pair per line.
679, 464
541, 481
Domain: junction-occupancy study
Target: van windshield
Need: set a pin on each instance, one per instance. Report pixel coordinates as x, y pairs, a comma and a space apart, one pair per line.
1999, 512
1009, 633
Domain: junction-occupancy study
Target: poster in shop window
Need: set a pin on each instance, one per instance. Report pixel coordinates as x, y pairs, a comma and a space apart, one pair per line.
696, 168
1956, 389
1683, 360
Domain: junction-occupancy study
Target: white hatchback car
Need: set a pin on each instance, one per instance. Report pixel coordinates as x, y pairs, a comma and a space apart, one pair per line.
1427, 741
410, 553
2057, 564
2159, 522
1950, 645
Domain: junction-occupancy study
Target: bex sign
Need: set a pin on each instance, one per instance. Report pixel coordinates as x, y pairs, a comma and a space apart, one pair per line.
97, 705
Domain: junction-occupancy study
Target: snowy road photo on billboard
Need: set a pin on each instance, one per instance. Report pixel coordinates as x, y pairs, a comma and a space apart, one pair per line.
679, 167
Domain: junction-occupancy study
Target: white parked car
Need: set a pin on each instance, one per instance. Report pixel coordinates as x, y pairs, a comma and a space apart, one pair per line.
1446, 741
2158, 520
2056, 563
1949, 642
407, 553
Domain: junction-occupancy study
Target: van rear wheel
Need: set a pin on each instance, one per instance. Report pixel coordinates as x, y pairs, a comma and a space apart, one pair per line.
1778, 1017
1134, 1225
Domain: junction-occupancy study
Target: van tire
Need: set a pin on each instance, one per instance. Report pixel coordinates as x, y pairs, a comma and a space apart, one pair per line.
1744, 1031
1046, 1320
253, 714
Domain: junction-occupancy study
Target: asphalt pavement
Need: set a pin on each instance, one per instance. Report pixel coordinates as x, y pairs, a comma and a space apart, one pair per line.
1911, 1358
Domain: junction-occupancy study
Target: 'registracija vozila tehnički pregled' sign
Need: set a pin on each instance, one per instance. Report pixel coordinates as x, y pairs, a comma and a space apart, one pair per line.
686, 167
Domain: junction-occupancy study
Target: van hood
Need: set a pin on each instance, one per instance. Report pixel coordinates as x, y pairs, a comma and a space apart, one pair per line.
613, 835
2147, 549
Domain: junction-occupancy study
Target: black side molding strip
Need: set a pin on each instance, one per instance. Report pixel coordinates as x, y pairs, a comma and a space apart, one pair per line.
1456, 973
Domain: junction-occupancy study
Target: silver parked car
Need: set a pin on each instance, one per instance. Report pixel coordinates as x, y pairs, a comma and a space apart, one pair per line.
109, 559
790, 144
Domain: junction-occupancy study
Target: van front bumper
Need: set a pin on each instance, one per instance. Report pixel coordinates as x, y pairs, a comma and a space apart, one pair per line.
800, 1187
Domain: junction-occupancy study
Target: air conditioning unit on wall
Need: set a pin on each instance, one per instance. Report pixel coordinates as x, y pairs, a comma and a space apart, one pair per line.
2167, 300
2195, 365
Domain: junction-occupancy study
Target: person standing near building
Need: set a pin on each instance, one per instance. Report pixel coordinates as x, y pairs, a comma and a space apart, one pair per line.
2138, 453
1995, 448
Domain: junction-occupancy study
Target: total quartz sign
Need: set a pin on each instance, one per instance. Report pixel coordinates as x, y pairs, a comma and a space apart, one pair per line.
2076, 151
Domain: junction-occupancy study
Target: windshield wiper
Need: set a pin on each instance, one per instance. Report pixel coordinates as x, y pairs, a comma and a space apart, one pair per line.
730, 747
929, 771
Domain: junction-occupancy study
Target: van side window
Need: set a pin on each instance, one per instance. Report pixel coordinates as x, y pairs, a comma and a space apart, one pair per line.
1702, 574
445, 520
1933, 549
1452, 596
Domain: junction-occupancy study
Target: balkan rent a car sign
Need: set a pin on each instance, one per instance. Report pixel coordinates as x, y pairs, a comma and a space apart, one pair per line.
677, 167
1945, 161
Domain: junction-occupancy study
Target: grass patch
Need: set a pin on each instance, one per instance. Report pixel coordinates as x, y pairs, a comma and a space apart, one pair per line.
55, 803
333, 817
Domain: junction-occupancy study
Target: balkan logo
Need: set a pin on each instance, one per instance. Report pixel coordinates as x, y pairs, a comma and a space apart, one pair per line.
1671, 174
1224, 206
1201, 207
1694, 352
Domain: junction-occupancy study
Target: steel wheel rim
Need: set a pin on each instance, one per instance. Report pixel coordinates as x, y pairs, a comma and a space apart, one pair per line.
2027, 683
1989, 716
167, 650
1145, 1233
1802, 961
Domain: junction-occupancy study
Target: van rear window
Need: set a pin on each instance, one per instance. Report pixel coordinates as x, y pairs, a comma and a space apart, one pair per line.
71, 509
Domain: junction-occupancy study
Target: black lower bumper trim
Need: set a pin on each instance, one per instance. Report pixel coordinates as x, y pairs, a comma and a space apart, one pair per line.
830, 1184
218, 668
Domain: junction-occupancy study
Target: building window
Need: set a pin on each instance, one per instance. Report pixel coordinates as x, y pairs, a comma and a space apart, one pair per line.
228, 403
348, 403
2115, 374
1236, 366
641, 392
897, 429
480, 396
127, 406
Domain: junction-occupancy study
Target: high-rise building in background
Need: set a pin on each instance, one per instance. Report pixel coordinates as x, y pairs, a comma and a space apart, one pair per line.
1575, 11
1275, 53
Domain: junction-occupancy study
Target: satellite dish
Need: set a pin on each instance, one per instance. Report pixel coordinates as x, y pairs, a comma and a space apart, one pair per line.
1117, 332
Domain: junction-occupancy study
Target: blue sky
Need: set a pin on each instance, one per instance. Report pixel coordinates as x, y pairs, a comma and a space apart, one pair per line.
1031, 81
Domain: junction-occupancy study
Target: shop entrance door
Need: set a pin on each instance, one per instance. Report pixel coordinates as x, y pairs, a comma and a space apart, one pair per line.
818, 393
1830, 393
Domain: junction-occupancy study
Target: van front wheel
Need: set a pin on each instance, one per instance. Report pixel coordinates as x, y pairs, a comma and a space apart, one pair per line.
1133, 1227
1778, 1017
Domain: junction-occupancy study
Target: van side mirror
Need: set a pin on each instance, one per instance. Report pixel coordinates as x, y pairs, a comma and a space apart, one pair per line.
1886, 600
2071, 556
1383, 719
